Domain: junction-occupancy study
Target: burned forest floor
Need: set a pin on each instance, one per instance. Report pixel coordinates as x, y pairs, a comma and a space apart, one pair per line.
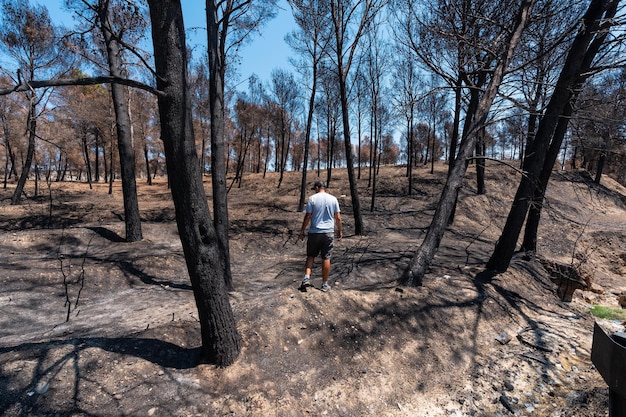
93, 326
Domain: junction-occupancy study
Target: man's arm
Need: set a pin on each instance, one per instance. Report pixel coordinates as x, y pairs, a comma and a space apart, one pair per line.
338, 224
305, 223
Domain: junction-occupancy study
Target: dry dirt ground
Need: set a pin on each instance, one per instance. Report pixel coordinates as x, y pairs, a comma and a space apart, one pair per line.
93, 326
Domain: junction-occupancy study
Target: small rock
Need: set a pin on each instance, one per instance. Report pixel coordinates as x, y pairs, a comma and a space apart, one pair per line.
42, 388
503, 338
504, 400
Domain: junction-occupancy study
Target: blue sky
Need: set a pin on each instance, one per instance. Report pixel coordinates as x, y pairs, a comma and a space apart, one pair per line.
264, 53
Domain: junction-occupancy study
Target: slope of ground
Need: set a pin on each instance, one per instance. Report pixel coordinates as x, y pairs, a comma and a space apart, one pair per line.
93, 326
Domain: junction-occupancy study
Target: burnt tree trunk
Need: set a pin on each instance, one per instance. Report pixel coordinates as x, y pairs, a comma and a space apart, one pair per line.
354, 193
220, 339
146, 158
307, 140
217, 68
87, 159
132, 220
480, 162
469, 123
30, 152
10, 155
529, 243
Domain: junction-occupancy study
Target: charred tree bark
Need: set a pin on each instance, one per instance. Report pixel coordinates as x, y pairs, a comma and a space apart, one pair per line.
217, 68
87, 160
10, 155
220, 339
307, 140
146, 158
529, 243
123, 124
480, 162
468, 124
30, 152
354, 192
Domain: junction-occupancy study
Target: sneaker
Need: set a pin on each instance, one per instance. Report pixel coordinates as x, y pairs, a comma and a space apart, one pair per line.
325, 287
306, 282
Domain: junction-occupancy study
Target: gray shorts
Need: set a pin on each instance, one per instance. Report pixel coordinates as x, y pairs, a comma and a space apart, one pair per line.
320, 244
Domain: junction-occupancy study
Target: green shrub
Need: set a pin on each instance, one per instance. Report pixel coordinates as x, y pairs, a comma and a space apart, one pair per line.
608, 313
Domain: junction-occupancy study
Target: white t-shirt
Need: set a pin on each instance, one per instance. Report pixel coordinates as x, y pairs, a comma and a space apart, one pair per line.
323, 207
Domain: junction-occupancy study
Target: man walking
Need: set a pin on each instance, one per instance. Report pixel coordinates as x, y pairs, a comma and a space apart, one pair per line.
322, 212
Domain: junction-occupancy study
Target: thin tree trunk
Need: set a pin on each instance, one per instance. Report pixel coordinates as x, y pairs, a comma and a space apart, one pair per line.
217, 67
36, 178
454, 140
307, 139
409, 156
331, 152
533, 117
480, 162
111, 169
30, 153
432, 153
6, 170
201, 160
372, 152
220, 339
470, 117
374, 176
96, 173
284, 147
87, 161
132, 219
529, 243
10, 155
358, 132
354, 193
64, 172
146, 158
375, 157
105, 163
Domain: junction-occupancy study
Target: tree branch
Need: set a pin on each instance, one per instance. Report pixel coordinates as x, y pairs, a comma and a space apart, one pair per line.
59, 82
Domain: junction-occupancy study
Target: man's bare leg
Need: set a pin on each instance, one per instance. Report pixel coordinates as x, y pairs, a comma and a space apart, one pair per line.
325, 269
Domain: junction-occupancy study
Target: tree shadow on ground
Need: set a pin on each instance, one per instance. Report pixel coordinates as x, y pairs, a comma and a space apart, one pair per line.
39, 221
159, 352
129, 269
56, 358
480, 296
107, 234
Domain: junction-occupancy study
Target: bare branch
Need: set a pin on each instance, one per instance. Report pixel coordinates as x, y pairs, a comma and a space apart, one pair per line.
60, 82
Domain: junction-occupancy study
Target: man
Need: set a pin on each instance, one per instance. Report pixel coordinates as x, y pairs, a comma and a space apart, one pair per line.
322, 211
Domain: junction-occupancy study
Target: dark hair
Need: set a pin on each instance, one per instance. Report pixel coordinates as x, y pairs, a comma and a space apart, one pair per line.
318, 184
